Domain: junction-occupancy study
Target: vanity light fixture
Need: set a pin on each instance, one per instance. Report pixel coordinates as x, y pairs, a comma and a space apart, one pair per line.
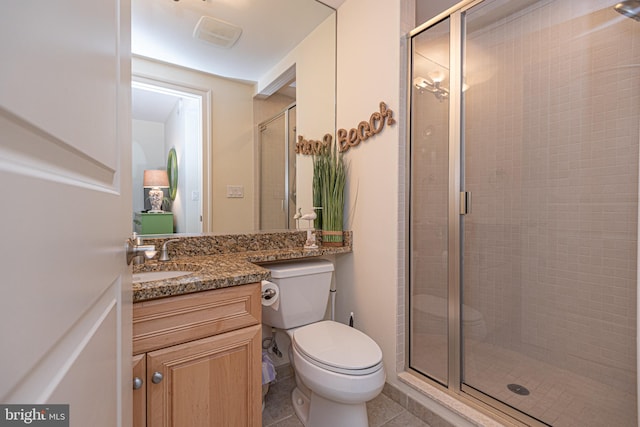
155, 180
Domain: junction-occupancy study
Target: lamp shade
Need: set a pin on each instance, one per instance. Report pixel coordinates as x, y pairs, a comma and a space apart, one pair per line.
155, 178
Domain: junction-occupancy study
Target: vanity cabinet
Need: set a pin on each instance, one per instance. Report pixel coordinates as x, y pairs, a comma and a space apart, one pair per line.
201, 358
139, 390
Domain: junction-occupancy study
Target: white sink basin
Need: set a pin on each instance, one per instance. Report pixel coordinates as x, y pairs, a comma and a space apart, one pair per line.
158, 275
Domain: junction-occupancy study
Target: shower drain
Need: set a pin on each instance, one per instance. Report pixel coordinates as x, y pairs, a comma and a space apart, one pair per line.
518, 389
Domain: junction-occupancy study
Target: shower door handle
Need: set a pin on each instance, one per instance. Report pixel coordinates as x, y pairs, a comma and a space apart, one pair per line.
465, 202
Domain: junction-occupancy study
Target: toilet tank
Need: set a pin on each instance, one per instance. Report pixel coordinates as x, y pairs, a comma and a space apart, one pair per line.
304, 293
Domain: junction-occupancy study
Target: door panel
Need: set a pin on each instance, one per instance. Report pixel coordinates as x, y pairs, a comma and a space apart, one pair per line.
60, 69
64, 165
92, 371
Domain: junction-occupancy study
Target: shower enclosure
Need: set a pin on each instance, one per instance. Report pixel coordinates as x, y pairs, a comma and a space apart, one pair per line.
278, 170
523, 216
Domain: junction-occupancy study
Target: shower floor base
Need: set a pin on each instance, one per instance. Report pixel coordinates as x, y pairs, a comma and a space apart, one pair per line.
556, 396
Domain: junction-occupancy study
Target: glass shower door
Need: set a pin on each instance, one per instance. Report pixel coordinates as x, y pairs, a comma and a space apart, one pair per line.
278, 171
429, 345
551, 159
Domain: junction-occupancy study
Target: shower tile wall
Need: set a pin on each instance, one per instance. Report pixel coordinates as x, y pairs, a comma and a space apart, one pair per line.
552, 114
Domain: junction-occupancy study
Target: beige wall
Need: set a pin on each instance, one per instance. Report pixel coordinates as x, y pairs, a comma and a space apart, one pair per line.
232, 146
370, 281
368, 73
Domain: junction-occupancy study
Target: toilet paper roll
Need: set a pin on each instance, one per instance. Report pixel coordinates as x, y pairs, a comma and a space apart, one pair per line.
267, 300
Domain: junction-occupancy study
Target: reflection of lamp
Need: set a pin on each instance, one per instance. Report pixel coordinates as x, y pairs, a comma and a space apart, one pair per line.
433, 86
156, 179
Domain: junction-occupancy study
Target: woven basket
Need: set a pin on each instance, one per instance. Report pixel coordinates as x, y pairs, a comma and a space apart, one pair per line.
336, 238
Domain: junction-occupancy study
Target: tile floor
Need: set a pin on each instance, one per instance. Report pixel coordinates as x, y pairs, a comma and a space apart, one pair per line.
382, 411
557, 396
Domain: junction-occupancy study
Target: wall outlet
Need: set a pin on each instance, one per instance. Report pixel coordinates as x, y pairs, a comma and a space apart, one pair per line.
235, 191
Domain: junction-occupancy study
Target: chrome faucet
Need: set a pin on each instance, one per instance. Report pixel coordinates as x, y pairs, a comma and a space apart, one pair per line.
164, 252
136, 251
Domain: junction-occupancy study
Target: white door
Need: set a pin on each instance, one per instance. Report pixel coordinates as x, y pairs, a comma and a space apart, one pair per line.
65, 207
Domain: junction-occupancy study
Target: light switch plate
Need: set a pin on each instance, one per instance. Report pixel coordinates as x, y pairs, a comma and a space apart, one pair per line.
235, 191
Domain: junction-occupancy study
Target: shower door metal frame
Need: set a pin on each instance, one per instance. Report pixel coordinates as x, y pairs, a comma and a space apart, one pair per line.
455, 227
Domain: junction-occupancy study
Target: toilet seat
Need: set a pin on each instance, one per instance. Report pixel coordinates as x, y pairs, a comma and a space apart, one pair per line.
337, 348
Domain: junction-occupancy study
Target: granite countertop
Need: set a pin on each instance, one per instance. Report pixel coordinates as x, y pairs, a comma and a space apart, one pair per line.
217, 270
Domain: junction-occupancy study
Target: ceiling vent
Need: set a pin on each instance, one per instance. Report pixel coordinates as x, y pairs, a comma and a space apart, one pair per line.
217, 32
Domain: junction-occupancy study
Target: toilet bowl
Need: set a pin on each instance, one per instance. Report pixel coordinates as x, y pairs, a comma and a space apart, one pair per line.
337, 368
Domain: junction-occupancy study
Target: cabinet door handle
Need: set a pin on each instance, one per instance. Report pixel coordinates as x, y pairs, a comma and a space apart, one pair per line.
137, 383
156, 378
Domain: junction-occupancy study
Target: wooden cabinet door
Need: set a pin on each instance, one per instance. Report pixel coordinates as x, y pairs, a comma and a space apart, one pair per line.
140, 393
213, 381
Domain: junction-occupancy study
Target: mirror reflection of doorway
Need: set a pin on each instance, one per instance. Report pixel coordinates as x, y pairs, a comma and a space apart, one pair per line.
165, 117
278, 170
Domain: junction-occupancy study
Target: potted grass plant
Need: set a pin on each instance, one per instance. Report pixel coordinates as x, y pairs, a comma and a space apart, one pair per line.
329, 178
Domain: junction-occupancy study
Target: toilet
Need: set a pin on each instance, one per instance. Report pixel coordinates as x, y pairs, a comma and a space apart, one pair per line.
337, 368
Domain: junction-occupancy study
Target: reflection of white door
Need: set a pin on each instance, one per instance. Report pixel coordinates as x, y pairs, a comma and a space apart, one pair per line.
66, 201
165, 116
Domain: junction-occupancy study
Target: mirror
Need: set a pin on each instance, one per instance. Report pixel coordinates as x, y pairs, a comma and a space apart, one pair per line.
209, 105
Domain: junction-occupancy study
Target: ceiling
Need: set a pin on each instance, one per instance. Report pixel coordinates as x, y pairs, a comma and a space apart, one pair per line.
151, 106
163, 30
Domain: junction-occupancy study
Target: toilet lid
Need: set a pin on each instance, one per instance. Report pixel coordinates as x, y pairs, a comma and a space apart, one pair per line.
338, 347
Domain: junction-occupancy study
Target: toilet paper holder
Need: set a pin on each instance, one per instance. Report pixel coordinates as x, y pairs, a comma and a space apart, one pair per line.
268, 294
